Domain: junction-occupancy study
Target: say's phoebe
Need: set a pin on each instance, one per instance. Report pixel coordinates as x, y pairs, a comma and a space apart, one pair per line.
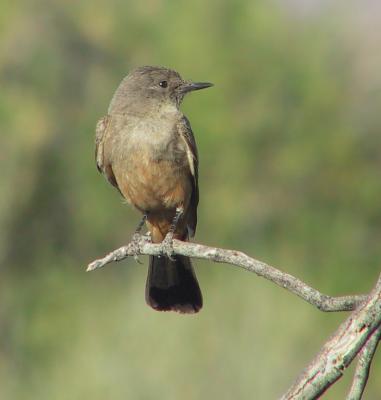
146, 149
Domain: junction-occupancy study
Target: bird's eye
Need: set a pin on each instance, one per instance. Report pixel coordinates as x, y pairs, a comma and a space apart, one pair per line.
163, 84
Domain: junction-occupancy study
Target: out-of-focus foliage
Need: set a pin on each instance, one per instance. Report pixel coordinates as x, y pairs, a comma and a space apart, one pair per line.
289, 141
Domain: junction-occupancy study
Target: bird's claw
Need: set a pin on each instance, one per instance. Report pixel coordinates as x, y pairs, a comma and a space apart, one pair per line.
134, 246
167, 246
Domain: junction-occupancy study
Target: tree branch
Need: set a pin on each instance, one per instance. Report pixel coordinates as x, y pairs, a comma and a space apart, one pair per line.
340, 350
363, 366
321, 301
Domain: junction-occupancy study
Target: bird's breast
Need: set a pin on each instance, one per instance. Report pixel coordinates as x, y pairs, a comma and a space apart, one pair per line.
150, 164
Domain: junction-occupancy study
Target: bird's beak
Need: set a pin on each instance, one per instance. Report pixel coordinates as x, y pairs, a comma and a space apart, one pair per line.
190, 86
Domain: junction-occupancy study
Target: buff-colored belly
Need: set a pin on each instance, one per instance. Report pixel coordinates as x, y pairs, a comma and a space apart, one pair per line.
155, 185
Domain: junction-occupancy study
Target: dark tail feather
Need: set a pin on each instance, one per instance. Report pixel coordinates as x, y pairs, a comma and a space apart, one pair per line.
172, 285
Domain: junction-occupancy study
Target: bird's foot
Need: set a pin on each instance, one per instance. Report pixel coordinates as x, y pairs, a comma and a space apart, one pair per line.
147, 237
134, 246
167, 246
136, 239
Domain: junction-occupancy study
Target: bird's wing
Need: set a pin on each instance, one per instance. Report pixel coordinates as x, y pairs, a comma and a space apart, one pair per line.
103, 164
100, 133
185, 131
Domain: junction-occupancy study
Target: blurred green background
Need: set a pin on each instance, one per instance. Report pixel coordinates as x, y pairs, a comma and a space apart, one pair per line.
289, 141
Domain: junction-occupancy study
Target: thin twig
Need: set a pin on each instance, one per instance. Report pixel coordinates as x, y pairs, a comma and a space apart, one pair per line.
321, 301
363, 366
336, 355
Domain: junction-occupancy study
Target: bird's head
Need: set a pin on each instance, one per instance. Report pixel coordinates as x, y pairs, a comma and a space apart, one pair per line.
152, 86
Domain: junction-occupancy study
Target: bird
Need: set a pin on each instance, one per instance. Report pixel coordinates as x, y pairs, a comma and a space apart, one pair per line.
146, 149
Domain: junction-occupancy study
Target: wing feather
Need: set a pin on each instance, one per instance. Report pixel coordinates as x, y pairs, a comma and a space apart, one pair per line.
185, 131
100, 133
103, 164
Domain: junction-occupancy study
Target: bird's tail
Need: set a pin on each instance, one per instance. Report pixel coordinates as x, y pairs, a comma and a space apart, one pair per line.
172, 285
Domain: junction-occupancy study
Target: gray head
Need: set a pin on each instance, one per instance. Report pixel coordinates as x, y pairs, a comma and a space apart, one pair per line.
151, 87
